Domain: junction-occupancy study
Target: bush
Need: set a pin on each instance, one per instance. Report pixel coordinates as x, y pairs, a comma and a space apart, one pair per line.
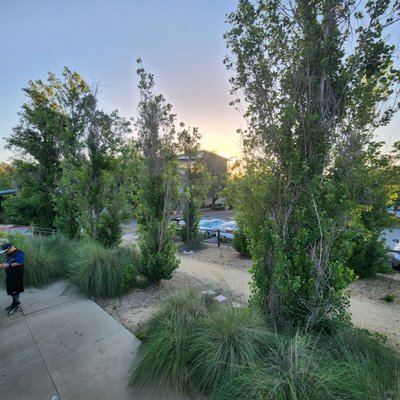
369, 256
389, 297
163, 358
240, 243
195, 238
103, 272
157, 263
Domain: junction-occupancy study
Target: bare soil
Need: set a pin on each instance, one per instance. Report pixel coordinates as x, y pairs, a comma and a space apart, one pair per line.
225, 272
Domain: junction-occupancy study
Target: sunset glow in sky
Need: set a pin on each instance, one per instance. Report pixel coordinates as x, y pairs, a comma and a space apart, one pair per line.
180, 42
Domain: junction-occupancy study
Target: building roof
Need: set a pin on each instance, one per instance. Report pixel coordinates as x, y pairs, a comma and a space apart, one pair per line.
201, 154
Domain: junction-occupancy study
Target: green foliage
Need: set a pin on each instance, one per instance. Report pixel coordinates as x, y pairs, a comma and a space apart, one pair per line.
351, 366
195, 237
75, 170
311, 166
43, 264
6, 176
369, 255
157, 263
49, 129
234, 354
33, 203
159, 182
196, 182
66, 201
162, 361
102, 272
240, 243
226, 339
389, 297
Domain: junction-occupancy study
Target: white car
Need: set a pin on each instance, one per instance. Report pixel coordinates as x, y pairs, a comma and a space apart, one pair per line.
396, 256
227, 230
209, 227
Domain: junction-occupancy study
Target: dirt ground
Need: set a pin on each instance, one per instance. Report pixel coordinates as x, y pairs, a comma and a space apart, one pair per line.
225, 272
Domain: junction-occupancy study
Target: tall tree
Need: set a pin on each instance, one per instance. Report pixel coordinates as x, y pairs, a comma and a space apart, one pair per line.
159, 182
49, 127
313, 96
196, 183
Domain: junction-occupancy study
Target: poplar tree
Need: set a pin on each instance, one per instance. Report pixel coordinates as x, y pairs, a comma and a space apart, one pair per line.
315, 76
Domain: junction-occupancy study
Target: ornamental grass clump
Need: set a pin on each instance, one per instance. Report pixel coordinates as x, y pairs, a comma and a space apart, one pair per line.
63, 248
225, 341
163, 359
288, 370
103, 272
347, 365
360, 366
42, 264
234, 354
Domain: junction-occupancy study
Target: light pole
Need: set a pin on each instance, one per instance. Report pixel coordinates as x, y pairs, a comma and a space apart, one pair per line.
187, 219
187, 210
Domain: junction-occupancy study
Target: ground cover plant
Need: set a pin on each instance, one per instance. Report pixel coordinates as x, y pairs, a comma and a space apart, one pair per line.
227, 353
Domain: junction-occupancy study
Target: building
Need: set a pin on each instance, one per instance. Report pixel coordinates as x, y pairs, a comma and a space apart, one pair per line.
217, 166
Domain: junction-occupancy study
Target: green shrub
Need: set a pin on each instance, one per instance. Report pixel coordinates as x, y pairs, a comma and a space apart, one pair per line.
163, 359
369, 256
157, 263
389, 297
240, 244
103, 272
195, 238
129, 261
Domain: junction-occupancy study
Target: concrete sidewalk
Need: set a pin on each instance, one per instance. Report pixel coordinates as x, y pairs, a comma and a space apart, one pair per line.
63, 346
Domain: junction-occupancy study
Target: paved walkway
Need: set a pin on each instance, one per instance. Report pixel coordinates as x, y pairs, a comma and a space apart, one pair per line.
64, 347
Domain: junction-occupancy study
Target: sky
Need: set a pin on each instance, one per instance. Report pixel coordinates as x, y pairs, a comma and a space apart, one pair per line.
180, 42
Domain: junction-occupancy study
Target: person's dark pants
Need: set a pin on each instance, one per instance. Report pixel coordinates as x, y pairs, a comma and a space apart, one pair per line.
15, 285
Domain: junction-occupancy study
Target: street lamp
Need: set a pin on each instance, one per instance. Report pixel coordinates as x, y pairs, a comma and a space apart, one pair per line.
187, 219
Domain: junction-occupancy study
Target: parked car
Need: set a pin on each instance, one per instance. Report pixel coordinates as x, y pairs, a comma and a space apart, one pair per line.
209, 227
392, 210
396, 256
227, 230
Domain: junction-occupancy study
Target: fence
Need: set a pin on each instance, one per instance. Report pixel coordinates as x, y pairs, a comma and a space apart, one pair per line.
27, 230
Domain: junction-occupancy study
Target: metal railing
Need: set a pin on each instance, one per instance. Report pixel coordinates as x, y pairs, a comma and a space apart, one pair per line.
37, 231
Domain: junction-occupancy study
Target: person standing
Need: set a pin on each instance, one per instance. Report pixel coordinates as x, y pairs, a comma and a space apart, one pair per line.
14, 269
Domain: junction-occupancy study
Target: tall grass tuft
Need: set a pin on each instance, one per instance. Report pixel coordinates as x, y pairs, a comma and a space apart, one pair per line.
42, 264
63, 248
229, 338
351, 366
360, 367
233, 354
103, 272
163, 359
288, 370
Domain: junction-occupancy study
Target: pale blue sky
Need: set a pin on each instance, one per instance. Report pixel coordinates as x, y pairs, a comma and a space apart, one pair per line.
180, 41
